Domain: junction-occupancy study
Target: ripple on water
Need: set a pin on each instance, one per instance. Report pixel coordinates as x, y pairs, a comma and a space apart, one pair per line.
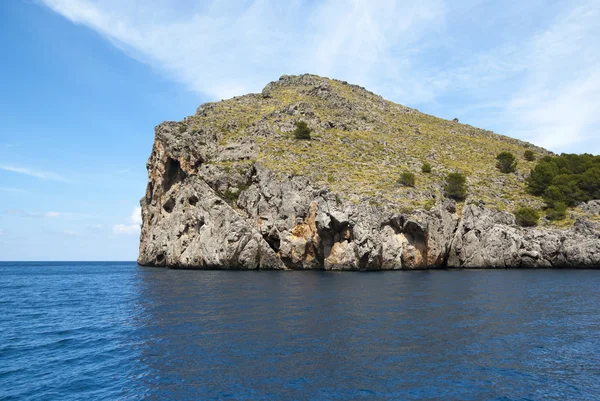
106, 331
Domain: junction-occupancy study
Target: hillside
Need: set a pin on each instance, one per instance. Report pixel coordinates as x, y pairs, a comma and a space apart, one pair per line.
232, 187
362, 143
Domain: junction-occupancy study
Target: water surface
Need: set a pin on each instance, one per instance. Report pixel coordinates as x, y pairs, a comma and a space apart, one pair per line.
106, 331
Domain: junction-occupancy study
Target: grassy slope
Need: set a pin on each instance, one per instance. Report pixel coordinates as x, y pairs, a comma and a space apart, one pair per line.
364, 164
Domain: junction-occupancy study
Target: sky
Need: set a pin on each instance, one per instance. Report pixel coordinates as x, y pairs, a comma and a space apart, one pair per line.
84, 82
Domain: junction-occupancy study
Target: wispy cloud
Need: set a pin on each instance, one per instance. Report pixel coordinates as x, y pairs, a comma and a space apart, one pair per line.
558, 104
135, 220
12, 190
526, 69
225, 49
93, 230
126, 229
44, 175
23, 213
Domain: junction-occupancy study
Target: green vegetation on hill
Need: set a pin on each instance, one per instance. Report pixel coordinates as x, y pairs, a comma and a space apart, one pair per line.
456, 186
565, 180
527, 217
506, 162
302, 131
361, 144
529, 155
407, 179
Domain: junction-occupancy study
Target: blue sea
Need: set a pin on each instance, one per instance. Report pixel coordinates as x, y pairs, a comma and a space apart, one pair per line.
116, 331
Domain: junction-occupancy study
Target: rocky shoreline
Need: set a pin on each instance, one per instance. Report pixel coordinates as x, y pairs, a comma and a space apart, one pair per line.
211, 202
287, 224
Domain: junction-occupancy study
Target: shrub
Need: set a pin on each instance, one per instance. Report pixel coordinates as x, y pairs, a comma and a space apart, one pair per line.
456, 186
302, 131
567, 179
554, 194
541, 177
556, 211
506, 162
589, 183
529, 155
527, 217
426, 167
407, 179
230, 196
430, 204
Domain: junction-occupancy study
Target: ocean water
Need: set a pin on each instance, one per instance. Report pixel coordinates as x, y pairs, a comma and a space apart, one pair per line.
116, 331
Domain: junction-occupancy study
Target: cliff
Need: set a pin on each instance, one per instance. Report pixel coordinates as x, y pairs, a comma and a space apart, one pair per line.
231, 188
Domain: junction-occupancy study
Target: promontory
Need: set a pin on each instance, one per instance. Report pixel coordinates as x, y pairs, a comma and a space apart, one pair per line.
315, 173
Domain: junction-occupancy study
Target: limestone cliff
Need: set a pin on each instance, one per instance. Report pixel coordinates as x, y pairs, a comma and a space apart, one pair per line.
230, 188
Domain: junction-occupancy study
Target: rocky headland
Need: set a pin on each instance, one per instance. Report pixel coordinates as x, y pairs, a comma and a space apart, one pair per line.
231, 188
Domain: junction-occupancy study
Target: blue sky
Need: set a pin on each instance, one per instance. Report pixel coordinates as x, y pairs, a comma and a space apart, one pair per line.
83, 83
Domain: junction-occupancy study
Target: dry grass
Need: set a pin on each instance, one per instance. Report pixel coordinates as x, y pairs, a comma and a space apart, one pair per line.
384, 140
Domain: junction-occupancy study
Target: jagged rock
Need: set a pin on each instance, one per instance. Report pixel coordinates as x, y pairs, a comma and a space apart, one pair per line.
488, 238
211, 203
190, 226
234, 151
591, 207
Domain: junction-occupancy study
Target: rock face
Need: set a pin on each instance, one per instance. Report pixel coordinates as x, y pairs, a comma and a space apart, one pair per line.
591, 207
486, 238
211, 204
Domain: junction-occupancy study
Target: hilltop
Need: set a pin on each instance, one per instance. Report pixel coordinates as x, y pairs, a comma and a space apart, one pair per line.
232, 186
362, 143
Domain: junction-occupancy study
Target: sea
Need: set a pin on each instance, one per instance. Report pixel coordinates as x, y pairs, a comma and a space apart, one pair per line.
118, 331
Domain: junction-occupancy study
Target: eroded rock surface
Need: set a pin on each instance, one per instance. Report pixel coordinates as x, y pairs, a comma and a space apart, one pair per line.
487, 238
211, 204
286, 223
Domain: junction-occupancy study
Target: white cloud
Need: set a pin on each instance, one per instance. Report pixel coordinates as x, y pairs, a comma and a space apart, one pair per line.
558, 105
52, 214
226, 49
136, 216
525, 69
135, 220
1, 232
125, 229
44, 175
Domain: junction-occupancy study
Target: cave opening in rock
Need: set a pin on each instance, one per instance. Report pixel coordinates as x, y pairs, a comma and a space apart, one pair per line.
173, 174
169, 205
149, 192
273, 241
